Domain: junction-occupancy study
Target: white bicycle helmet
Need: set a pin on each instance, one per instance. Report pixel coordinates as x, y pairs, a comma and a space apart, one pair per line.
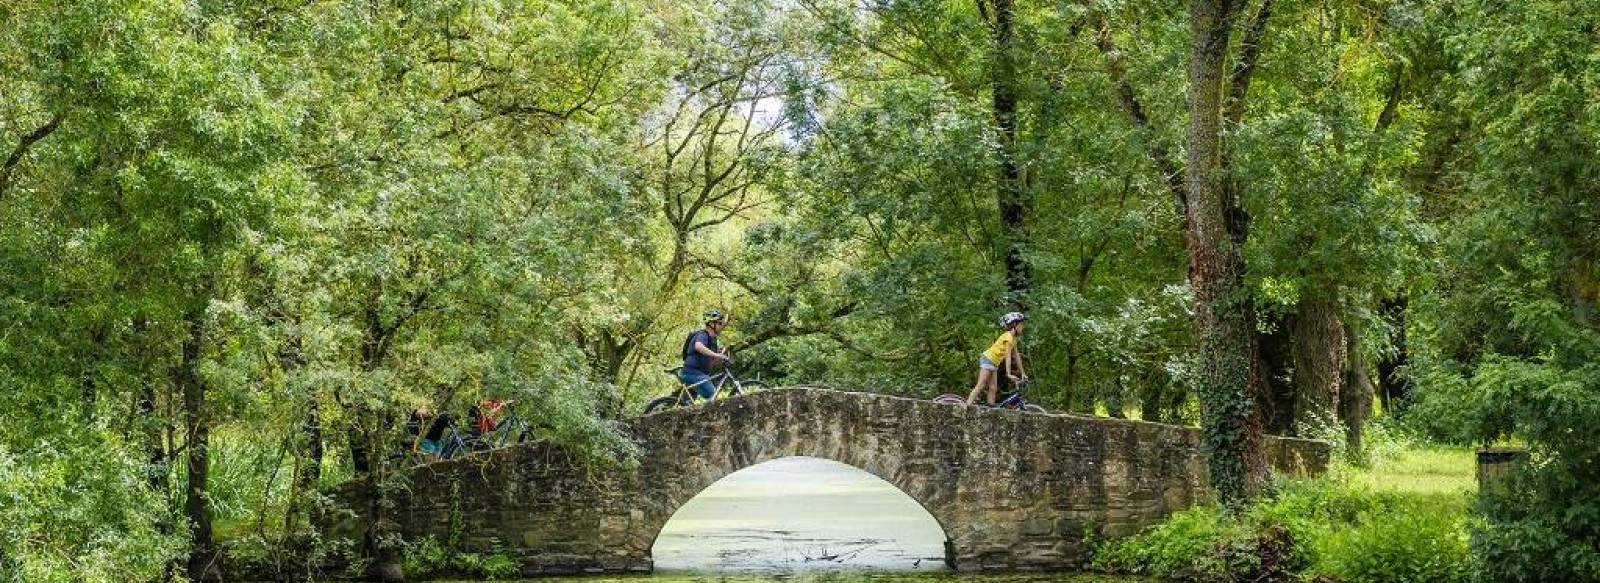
1011, 318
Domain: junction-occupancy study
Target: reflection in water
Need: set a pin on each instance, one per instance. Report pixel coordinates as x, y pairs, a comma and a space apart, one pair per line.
796, 515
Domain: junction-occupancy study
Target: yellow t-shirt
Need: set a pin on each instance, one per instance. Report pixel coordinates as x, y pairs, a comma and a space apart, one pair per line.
1002, 345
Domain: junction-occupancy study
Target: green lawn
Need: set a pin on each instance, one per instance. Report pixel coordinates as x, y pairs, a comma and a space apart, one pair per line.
1422, 469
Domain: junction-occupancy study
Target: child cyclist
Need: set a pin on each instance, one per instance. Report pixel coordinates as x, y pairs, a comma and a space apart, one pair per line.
1002, 353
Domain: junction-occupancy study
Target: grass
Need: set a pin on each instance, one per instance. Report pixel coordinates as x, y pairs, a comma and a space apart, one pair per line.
1400, 515
1424, 469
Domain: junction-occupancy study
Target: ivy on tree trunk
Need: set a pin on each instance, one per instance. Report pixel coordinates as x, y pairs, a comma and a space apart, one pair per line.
1224, 319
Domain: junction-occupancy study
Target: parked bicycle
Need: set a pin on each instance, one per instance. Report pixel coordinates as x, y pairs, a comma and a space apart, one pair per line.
1011, 399
727, 382
451, 446
510, 430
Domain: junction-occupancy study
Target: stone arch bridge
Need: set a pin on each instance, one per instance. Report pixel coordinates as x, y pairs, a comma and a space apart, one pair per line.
1011, 490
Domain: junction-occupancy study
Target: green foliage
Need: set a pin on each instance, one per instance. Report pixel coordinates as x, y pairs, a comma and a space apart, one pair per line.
249, 478
1512, 339
76, 508
1203, 543
350, 208
1339, 529
1353, 533
428, 558
1542, 524
1411, 544
300, 555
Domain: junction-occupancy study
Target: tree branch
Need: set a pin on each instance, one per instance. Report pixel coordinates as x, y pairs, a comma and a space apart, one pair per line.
1171, 174
1249, 55
22, 150
787, 329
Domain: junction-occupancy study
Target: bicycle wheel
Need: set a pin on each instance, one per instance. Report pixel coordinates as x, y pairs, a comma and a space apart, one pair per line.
453, 446
661, 404
743, 387
950, 399
522, 430
1032, 408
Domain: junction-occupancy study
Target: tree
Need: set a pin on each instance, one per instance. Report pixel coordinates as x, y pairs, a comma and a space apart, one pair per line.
709, 148
1509, 340
1224, 318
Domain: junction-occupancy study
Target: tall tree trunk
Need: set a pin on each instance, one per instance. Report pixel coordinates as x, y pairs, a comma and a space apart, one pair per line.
1276, 373
1394, 383
1319, 355
1355, 396
360, 458
88, 386
1583, 290
1072, 397
312, 432
154, 445
1153, 388
291, 358
370, 434
197, 436
608, 351
1116, 408
1013, 200
362, 431
146, 418
1229, 387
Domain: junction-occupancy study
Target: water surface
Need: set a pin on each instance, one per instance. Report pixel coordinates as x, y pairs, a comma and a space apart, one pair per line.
800, 514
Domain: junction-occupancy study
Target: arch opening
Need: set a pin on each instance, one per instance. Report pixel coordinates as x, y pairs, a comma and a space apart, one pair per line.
800, 514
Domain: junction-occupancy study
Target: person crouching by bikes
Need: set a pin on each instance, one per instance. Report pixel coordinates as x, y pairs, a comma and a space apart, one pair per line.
700, 351
1002, 353
430, 443
484, 419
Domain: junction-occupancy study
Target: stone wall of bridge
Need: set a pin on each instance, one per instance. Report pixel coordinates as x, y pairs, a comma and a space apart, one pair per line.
1011, 490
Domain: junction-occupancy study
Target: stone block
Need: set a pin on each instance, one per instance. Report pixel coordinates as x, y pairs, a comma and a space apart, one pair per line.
1038, 527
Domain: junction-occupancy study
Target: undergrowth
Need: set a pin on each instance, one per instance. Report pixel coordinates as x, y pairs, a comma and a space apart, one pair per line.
1397, 514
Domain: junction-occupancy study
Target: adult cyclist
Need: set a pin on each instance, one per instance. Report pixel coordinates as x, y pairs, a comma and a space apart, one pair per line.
700, 351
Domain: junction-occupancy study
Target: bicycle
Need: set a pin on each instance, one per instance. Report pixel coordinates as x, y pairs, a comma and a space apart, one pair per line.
512, 429
451, 445
1011, 399
725, 382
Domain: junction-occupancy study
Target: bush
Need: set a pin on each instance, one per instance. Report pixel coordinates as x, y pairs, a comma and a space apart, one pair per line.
1413, 545
1204, 543
1541, 524
1320, 528
80, 509
428, 558
1352, 533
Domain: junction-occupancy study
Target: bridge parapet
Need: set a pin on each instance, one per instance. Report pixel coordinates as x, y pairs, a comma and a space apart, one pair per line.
1011, 490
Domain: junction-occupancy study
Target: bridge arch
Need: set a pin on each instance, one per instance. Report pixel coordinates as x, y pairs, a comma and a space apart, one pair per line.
1011, 490
796, 498
746, 434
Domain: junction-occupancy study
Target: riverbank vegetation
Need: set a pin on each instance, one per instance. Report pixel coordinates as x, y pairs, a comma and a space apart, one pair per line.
1400, 514
241, 241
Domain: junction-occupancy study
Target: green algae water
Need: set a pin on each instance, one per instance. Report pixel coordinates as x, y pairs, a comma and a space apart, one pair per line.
805, 519
800, 514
